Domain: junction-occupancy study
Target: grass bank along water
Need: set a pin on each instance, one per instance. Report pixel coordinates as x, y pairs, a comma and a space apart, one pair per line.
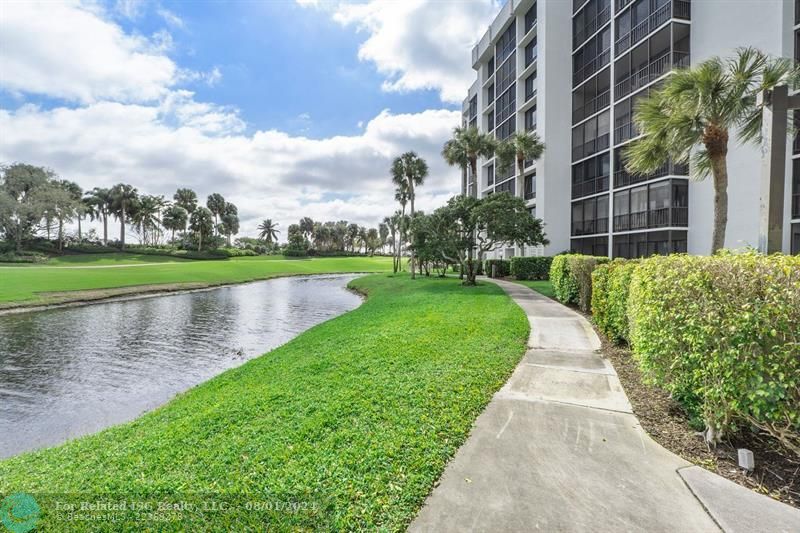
43, 285
352, 421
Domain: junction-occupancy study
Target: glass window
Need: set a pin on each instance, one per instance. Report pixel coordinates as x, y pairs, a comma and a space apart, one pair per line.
490, 175
530, 52
621, 203
659, 195
639, 199
680, 193
530, 18
796, 238
530, 86
530, 119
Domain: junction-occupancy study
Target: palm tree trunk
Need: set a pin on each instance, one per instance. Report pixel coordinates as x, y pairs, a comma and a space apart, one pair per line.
411, 197
80, 237
60, 234
719, 171
473, 166
105, 229
122, 227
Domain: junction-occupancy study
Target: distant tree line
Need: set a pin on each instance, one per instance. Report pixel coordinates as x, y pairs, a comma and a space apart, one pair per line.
309, 237
35, 201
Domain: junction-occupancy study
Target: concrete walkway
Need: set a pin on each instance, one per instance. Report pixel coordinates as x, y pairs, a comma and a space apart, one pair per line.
559, 449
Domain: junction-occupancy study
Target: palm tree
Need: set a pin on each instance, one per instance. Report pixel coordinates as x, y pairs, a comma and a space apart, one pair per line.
80, 207
202, 223
401, 196
268, 231
187, 199
393, 223
175, 218
520, 147
123, 196
216, 204
464, 149
690, 117
230, 221
146, 216
411, 170
100, 204
307, 226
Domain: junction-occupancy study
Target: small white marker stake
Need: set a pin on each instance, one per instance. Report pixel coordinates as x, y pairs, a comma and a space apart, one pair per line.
746, 459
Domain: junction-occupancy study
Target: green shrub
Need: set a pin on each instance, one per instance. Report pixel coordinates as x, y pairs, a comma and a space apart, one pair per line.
571, 276
502, 267
24, 257
532, 268
722, 334
610, 286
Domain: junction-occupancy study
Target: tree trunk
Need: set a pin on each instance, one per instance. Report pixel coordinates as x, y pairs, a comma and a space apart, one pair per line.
200, 241
172, 241
411, 197
122, 228
105, 229
470, 269
80, 237
60, 234
473, 166
715, 140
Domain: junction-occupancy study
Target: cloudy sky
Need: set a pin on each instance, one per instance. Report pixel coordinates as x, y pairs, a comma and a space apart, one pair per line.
287, 108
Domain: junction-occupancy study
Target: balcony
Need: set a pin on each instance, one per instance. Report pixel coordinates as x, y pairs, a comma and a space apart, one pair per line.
591, 147
626, 131
650, 72
594, 105
796, 205
530, 195
590, 227
680, 9
590, 27
586, 71
590, 186
623, 177
656, 218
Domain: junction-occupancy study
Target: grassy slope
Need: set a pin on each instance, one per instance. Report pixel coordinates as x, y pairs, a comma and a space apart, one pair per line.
21, 284
359, 415
543, 287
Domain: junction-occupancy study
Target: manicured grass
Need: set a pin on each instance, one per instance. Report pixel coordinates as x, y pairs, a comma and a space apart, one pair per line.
25, 283
355, 418
543, 287
116, 258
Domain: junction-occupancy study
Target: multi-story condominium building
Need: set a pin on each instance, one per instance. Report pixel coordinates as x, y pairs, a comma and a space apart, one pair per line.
619, 51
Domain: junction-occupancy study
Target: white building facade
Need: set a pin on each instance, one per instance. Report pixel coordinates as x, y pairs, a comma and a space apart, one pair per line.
573, 70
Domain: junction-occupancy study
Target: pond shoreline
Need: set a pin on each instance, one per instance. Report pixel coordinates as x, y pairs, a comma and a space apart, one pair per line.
137, 292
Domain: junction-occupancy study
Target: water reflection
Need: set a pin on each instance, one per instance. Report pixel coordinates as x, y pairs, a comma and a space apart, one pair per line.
68, 372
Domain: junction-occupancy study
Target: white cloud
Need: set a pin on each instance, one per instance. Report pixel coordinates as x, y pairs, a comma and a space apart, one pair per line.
267, 174
170, 18
70, 50
419, 44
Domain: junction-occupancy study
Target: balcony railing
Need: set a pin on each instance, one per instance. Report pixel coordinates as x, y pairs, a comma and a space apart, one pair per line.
655, 218
590, 27
650, 72
592, 186
621, 4
586, 71
796, 205
590, 227
623, 177
626, 131
591, 107
677, 8
530, 195
591, 147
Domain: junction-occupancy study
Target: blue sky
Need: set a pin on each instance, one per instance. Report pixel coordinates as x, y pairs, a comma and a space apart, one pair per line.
286, 107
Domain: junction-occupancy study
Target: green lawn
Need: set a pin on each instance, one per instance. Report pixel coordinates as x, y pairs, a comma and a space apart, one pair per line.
115, 258
543, 287
353, 421
24, 284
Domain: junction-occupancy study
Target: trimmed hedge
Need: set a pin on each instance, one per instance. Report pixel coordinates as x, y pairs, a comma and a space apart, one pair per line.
502, 267
571, 276
610, 287
531, 268
722, 334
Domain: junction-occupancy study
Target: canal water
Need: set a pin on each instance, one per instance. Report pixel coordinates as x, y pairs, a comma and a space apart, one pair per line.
72, 371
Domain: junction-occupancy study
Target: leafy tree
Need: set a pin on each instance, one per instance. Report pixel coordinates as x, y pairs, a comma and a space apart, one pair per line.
466, 146
410, 170
372, 241
145, 214
216, 204
521, 146
20, 209
99, 202
230, 221
352, 236
201, 222
383, 234
187, 199
123, 196
474, 225
268, 231
60, 203
175, 218
690, 118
